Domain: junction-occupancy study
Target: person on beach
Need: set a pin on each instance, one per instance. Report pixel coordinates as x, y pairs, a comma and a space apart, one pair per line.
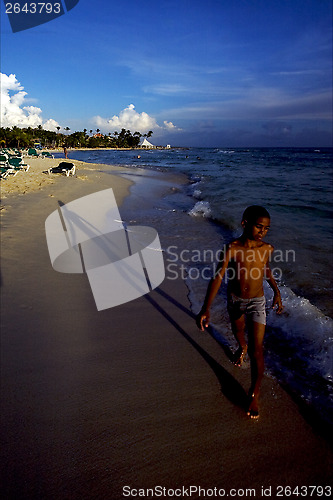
65, 153
245, 262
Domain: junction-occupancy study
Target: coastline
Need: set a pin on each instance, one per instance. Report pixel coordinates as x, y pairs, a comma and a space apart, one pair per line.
134, 395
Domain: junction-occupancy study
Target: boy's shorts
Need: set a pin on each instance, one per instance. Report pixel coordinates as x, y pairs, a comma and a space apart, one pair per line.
253, 308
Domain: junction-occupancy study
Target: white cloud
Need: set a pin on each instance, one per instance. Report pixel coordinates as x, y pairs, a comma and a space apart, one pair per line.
131, 120
50, 124
261, 103
17, 110
168, 89
170, 126
13, 109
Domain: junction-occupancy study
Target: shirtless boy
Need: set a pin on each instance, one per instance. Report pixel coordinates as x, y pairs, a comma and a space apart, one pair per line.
246, 262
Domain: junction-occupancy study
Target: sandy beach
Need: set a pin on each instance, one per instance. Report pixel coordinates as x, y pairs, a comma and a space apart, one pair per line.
107, 404
36, 179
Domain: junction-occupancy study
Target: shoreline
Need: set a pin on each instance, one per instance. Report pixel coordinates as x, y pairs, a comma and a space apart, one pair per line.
134, 395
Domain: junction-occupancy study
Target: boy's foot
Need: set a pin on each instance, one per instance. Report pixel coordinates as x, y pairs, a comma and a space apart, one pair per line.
239, 356
253, 410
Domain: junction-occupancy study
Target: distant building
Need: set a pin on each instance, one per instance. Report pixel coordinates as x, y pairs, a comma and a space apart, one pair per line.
168, 146
146, 144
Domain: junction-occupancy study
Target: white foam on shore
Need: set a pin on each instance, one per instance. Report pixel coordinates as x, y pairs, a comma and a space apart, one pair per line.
197, 193
201, 209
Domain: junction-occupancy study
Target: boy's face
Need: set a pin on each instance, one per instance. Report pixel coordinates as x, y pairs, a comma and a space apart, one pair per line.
258, 230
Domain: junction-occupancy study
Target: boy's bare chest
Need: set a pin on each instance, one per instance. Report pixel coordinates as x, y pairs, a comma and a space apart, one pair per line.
249, 257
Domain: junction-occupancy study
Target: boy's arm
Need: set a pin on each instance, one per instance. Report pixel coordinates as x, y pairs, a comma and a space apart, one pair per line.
277, 296
203, 317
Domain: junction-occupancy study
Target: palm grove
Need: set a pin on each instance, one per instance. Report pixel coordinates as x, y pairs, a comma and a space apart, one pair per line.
27, 137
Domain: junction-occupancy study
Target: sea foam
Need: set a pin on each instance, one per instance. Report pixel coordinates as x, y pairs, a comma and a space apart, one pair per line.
201, 209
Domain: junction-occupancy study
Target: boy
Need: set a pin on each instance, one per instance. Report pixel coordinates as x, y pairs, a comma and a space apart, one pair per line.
246, 262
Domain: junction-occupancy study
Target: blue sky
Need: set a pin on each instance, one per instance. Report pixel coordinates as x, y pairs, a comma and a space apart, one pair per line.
197, 73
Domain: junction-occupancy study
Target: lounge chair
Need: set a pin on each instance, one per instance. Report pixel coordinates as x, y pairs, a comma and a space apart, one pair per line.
18, 164
33, 153
3, 159
64, 167
46, 154
5, 171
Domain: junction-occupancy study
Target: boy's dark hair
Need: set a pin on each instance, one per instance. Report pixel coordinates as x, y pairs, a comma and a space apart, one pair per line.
252, 214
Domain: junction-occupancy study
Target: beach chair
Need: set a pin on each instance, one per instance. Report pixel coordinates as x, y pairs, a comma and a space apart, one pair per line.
46, 154
33, 153
12, 154
5, 171
17, 163
3, 159
64, 167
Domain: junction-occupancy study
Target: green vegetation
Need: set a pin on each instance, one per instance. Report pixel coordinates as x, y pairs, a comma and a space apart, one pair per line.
27, 137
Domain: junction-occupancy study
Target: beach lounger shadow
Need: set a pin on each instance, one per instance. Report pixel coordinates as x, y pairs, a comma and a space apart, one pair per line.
230, 387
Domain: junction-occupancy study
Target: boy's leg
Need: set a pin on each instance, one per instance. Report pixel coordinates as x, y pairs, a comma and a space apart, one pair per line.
256, 341
238, 329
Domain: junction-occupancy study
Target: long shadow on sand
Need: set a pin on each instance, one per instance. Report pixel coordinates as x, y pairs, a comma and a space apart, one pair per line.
230, 388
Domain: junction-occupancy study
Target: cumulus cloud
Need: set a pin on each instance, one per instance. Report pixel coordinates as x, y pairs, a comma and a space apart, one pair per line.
14, 112
131, 120
170, 126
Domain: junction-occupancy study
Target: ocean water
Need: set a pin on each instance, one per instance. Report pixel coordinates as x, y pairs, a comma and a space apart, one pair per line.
204, 213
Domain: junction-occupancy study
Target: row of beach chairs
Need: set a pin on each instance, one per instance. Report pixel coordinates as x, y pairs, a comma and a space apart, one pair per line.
33, 153
11, 162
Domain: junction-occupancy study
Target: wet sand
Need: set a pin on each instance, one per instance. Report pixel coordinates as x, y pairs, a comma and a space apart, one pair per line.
134, 396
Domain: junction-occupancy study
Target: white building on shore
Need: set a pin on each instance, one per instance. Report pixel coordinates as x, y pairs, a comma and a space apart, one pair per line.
146, 144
